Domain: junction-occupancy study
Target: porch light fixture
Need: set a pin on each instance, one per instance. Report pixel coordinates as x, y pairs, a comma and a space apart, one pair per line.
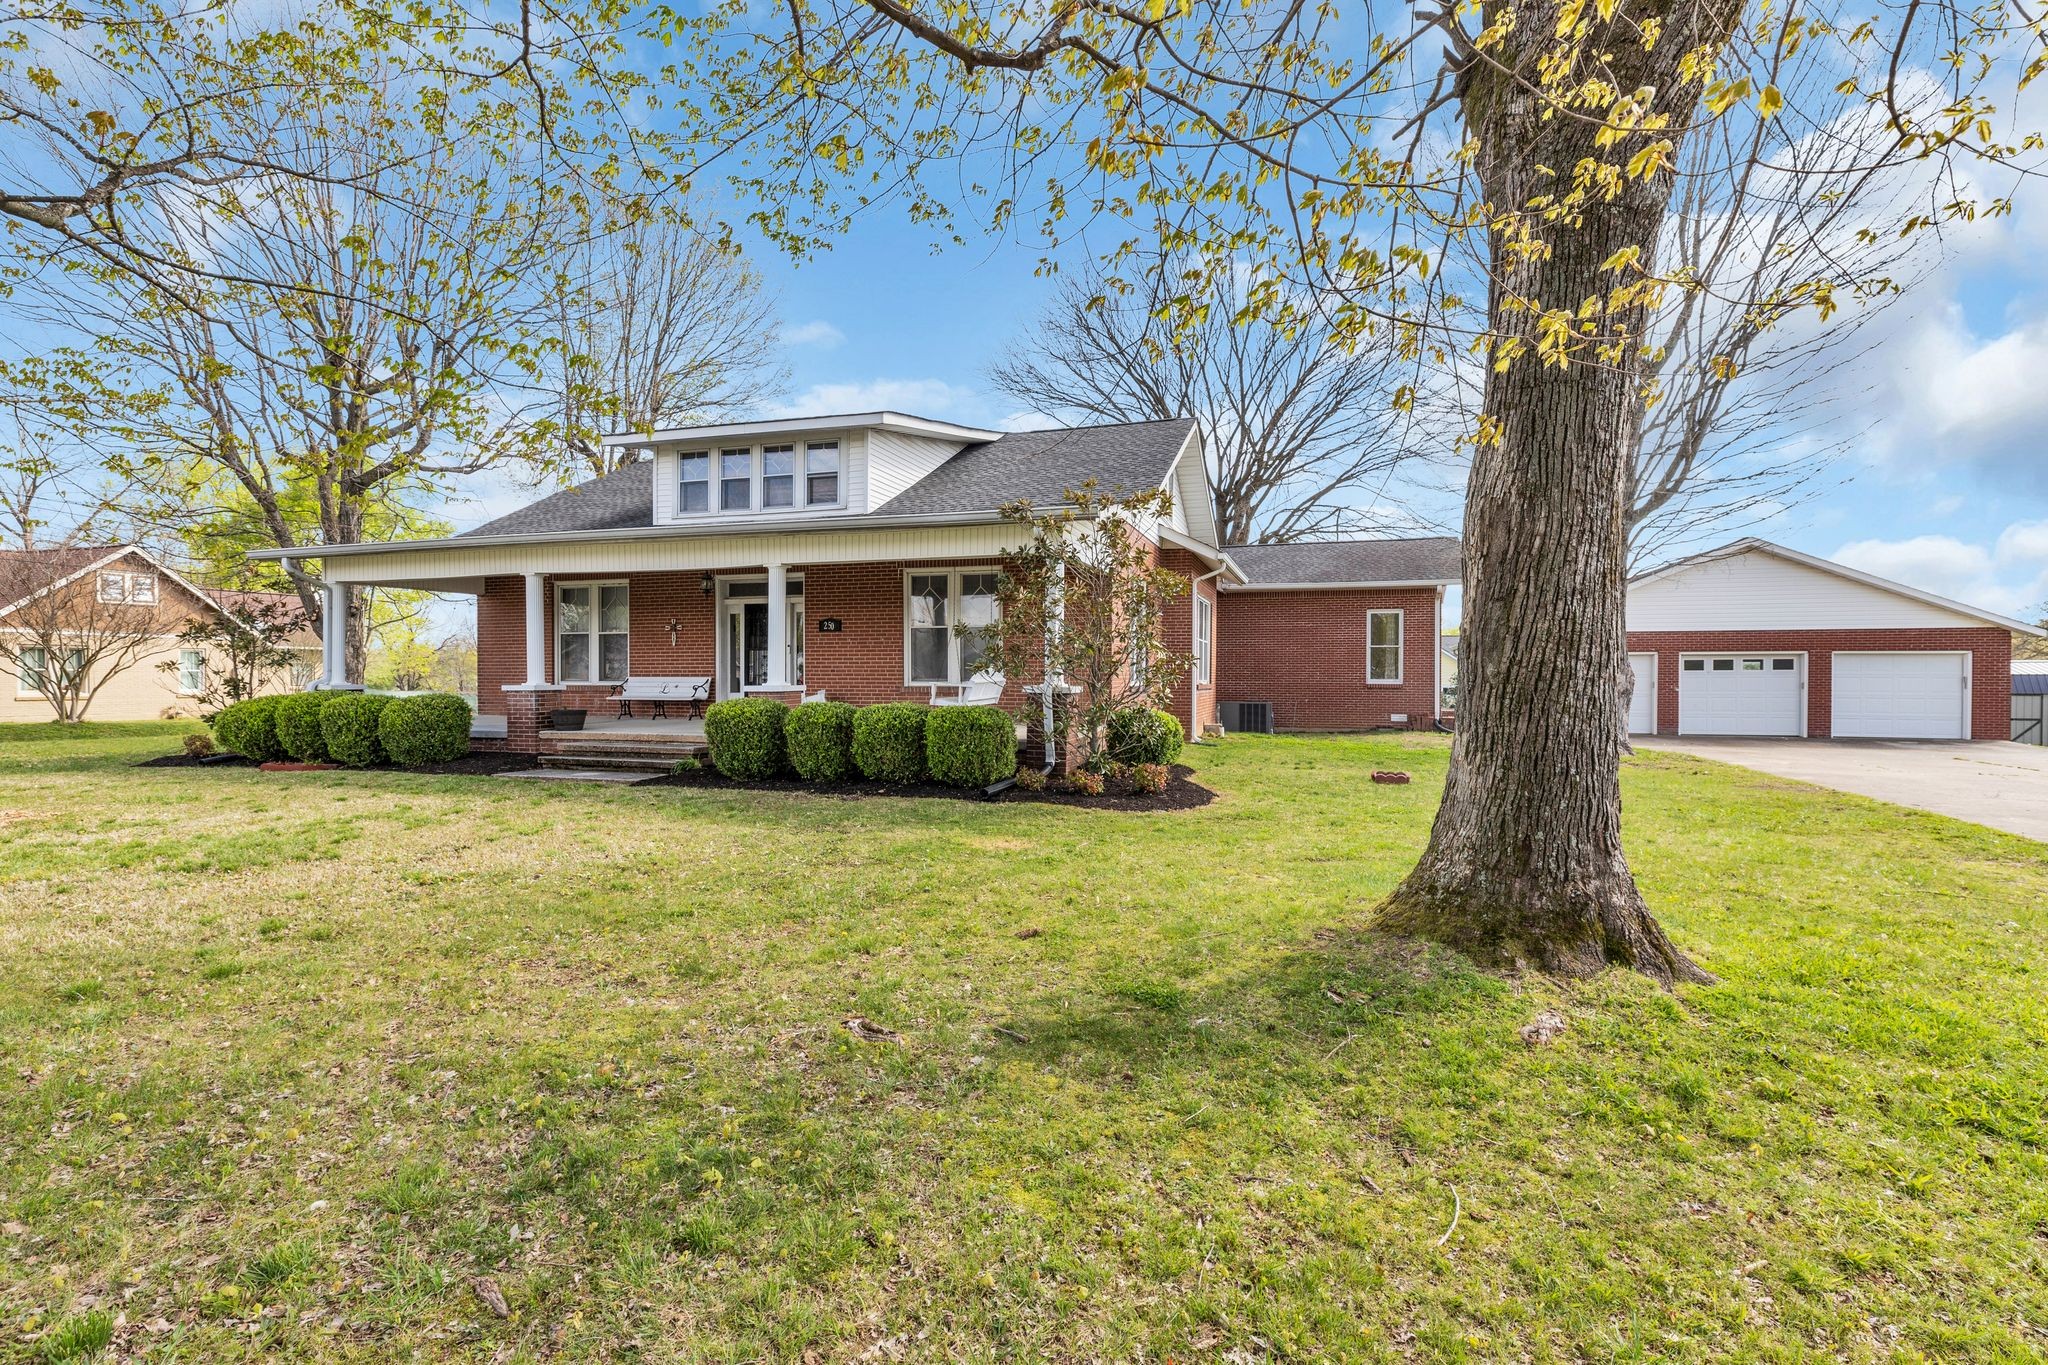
707, 584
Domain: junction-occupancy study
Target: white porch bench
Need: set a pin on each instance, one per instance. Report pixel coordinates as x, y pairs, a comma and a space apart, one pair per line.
985, 690
657, 693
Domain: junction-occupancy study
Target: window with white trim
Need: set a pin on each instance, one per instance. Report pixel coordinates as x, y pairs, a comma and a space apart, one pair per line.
821, 474
29, 679
1205, 639
192, 671
592, 632
693, 494
778, 477
933, 650
137, 589
1383, 646
736, 480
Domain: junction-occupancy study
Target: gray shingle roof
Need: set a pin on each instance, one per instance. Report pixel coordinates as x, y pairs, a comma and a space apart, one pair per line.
1036, 466
615, 502
1423, 559
1040, 466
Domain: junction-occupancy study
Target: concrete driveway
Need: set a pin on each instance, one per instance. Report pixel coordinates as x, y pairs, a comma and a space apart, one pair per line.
1995, 783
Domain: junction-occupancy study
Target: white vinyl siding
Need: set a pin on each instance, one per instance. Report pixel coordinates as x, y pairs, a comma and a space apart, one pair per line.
1383, 631
1758, 591
896, 461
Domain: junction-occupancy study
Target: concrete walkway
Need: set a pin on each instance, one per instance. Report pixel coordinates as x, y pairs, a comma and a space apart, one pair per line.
1995, 783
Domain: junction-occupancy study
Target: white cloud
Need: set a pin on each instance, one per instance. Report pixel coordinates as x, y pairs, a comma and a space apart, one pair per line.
2010, 575
817, 332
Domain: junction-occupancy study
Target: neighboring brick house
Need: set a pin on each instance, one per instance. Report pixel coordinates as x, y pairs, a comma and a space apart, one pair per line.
1337, 635
789, 557
113, 616
1753, 638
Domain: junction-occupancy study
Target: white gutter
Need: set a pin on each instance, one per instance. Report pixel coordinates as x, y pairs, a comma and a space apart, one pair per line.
815, 526
1316, 587
781, 426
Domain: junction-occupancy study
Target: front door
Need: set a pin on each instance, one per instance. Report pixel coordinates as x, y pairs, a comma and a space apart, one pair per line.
746, 646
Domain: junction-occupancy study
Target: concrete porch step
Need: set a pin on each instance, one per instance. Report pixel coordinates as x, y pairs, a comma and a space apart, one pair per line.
620, 759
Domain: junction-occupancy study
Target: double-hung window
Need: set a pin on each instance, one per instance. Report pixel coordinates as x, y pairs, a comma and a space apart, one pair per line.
934, 651
694, 492
736, 480
1383, 646
592, 628
1205, 638
821, 474
778, 477
191, 671
31, 676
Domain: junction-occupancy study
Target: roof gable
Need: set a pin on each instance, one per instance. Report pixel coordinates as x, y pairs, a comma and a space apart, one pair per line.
1755, 584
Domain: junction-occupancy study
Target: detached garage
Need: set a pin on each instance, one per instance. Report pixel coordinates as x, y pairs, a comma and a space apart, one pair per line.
1756, 639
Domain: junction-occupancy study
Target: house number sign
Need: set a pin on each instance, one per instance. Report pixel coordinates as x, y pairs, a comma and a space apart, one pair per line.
829, 625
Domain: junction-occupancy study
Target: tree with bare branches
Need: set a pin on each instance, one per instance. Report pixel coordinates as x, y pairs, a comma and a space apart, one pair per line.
1304, 432
658, 324
1489, 181
74, 616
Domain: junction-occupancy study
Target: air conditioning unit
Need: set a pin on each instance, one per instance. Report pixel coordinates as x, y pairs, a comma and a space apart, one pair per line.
1248, 717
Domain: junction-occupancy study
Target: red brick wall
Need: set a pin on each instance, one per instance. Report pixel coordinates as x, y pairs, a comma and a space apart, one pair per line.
862, 663
1305, 653
1990, 666
1192, 704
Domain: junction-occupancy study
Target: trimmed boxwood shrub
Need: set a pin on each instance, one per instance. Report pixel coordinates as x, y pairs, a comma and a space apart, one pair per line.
746, 736
416, 731
1142, 735
349, 725
298, 725
249, 728
820, 736
888, 741
970, 746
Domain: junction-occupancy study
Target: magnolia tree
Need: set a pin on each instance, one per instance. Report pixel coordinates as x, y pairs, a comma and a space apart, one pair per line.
249, 648
1082, 605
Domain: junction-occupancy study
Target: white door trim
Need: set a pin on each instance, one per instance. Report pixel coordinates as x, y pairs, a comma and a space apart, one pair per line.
1968, 693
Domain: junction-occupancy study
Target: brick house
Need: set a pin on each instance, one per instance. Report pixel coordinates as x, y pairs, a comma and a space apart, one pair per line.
112, 617
785, 558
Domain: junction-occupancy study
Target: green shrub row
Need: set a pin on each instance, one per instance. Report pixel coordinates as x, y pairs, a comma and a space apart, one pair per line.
830, 741
357, 729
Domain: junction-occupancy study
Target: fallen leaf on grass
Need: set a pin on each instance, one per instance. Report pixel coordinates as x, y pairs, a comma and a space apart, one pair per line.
869, 1032
1029, 933
491, 1296
1543, 1029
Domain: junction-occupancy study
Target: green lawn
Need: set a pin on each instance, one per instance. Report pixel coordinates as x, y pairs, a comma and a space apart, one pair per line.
287, 1062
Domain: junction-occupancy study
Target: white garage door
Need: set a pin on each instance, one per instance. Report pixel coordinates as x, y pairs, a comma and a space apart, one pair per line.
1901, 696
1642, 703
1739, 694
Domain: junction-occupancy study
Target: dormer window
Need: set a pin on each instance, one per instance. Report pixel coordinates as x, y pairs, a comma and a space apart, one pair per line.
778, 476
736, 481
696, 485
821, 474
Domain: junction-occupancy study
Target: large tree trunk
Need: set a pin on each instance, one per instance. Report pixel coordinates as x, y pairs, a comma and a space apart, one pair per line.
1525, 865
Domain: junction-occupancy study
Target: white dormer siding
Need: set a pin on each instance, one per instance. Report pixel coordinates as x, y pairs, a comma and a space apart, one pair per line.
1758, 590
896, 460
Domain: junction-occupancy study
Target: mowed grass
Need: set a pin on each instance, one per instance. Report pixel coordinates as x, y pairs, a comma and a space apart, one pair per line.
287, 1064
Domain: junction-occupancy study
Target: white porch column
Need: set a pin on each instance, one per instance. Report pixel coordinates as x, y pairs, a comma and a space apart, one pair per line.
334, 638
536, 631
778, 625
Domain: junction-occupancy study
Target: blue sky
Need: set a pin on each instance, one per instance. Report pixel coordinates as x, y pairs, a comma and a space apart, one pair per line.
1945, 488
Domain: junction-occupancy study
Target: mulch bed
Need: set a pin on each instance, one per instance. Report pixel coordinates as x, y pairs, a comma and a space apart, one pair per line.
1182, 791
